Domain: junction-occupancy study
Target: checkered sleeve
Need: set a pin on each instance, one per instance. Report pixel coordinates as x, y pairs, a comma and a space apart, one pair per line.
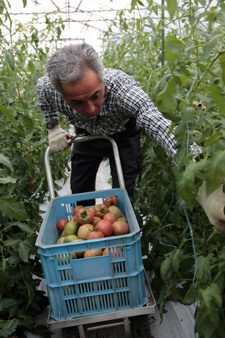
46, 98
148, 117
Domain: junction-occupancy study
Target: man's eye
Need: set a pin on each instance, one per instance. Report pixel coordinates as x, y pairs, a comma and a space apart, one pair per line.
76, 103
95, 97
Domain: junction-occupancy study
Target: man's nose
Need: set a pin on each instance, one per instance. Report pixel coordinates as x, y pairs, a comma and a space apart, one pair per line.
90, 107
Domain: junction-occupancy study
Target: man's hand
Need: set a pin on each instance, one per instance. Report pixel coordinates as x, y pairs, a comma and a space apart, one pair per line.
57, 138
213, 205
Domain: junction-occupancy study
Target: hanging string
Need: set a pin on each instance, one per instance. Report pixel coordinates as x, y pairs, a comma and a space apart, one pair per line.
36, 191
160, 241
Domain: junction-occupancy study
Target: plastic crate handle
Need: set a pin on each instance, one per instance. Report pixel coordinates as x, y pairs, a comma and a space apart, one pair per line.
82, 138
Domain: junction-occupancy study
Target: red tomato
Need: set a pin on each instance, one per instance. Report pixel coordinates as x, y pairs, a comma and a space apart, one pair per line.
105, 227
84, 216
95, 235
96, 220
92, 209
120, 228
115, 252
78, 207
100, 210
115, 210
111, 200
84, 230
61, 224
93, 253
110, 217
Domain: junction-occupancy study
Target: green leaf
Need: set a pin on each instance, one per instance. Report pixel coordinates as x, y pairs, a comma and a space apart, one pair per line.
208, 47
10, 60
172, 7
31, 66
186, 187
24, 251
25, 227
177, 259
165, 267
12, 209
6, 180
172, 117
203, 269
215, 171
4, 160
11, 242
8, 114
213, 139
211, 302
187, 114
8, 327
6, 303
24, 3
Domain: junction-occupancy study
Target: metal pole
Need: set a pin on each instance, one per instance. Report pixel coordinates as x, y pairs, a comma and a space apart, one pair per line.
83, 139
163, 34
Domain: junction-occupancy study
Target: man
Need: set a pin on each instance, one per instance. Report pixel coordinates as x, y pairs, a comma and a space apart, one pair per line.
98, 101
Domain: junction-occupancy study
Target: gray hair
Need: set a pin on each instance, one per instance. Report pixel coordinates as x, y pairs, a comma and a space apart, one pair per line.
69, 64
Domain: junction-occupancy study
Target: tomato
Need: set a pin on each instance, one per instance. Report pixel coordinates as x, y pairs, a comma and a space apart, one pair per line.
60, 240
84, 215
111, 200
96, 220
95, 234
105, 227
61, 224
92, 209
100, 210
120, 228
115, 252
115, 210
93, 253
69, 238
79, 253
71, 228
84, 229
110, 217
75, 210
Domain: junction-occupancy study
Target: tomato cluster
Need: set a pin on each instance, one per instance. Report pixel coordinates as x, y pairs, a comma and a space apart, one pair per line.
99, 221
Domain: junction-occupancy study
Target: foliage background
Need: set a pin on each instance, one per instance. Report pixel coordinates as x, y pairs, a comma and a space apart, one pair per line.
23, 185
179, 60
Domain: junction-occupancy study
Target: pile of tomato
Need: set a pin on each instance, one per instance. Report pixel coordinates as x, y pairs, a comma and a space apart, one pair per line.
99, 221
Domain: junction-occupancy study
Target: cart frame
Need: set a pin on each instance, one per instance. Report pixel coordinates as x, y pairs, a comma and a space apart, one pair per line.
148, 309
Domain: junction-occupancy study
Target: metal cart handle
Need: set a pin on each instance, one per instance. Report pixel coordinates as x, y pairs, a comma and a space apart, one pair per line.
84, 139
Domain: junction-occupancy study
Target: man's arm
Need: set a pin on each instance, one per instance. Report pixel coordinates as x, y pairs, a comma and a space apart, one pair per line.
57, 137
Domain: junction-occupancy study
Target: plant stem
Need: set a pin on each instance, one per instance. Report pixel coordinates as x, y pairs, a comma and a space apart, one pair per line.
206, 71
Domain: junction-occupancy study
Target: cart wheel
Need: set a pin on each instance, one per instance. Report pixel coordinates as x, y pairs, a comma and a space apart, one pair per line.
70, 332
141, 326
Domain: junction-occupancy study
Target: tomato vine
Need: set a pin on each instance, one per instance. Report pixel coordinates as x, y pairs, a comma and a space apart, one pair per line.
179, 59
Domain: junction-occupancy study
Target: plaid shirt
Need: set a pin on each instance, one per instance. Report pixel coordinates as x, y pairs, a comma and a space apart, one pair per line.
123, 99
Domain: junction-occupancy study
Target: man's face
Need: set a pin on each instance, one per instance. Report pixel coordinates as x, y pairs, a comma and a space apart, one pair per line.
86, 95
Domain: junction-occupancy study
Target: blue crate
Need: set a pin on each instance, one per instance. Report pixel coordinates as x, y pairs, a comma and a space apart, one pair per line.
88, 286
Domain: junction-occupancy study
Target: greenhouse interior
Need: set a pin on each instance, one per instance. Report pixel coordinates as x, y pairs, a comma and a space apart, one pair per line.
112, 169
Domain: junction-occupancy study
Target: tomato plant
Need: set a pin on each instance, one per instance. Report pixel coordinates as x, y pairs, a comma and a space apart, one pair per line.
179, 61
23, 186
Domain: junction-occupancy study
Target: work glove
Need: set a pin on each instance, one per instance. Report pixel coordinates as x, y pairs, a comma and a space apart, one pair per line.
57, 138
213, 205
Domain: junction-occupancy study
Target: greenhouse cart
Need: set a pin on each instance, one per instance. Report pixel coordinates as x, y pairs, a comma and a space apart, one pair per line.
97, 296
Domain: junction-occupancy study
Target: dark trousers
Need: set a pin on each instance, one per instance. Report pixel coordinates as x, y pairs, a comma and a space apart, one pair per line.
87, 156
